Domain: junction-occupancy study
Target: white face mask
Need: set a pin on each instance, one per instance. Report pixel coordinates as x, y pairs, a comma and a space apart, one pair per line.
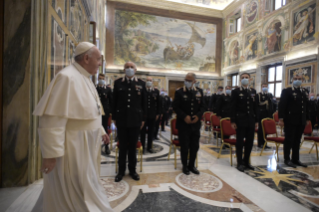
187, 84
149, 83
129, 72
102, 82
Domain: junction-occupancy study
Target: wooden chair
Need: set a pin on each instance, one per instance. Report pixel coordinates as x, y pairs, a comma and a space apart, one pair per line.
269, 128
276, 118
313, 139
215, 122
175, 143
139, 148
227, 130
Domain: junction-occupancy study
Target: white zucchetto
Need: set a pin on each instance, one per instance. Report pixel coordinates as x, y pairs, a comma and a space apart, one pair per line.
83, 47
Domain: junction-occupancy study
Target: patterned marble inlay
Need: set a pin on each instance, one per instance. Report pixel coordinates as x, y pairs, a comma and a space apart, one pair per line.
199, 183
114, 190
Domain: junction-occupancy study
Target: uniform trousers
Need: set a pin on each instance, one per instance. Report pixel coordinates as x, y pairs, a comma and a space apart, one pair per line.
293, 135
156, 127
313, 120
149, 124
105, 120
164, 120
246, 133
128, 137
189, 141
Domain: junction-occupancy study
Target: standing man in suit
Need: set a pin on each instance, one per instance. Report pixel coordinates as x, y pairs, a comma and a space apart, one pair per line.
265, 110
158, 121
293, 112
223, 106
153, 112
312, 109
106, 97
244, 119
214, 98
189, 107
129, 115
167, 105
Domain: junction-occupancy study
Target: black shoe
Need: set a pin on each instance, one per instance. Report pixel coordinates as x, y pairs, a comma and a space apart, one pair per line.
163, 131
107, 150
185, 170
248, 166
118, 177
193, 169
157, 138
289, 163
241, 168
298, 163
267, 147
135, 176
150, 151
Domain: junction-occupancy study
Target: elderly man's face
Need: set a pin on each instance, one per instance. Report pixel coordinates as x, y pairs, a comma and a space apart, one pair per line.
101, 78
149, 79
94, 61
130, 65
298, 77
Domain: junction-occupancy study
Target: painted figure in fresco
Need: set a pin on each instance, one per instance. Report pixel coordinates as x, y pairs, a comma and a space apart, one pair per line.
273, 42
251, 11
249, 51
302, 22
233, 53
59, 48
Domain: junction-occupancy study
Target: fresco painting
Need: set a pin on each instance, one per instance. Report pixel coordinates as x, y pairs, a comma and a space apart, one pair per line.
58, 49
60, 8
164, 43
251, 11
273, 38
250, 51
233, 53
76, 20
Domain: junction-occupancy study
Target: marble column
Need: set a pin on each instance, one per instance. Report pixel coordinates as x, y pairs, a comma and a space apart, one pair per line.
16, 92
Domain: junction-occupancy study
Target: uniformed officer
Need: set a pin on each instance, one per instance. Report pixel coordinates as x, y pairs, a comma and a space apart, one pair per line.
312, 109
189, 107
106, 97
244, 118
265, 110
129, 114
207, 99
223, 106
158, 121
153, 112
214, 98
293, 112
167, 105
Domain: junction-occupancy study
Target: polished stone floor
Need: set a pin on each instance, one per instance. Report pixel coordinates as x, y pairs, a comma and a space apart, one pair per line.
220, 187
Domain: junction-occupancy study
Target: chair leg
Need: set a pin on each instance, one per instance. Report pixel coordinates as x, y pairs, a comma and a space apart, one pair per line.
281, 130
312, 147
116, 151
231, 155
220, 150
265, 144
175, 163
302, 142
169, 153
141, 159
317, 150
277, 150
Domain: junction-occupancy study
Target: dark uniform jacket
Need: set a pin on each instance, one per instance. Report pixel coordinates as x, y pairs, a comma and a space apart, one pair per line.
312, 108
244, 106
106, 97
223, 106
167, 103
153, 103
265, 107
129, 102
188, 103
213, 101
294, 106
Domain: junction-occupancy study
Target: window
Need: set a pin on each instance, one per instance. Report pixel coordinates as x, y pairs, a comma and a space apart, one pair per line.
278, 4
234, 80
274, 80
238, 24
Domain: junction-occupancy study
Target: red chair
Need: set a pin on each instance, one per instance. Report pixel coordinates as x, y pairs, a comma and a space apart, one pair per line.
139, 148
315, 140
269, 128
227, 130
276, 118
215, 121
175, 142
207, 122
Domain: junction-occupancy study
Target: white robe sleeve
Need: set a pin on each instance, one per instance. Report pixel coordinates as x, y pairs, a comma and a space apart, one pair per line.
103, 130
52, 136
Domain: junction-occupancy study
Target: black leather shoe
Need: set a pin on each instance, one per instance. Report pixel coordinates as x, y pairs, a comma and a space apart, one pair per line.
298, 163
150, 151
241, 168
135, 176
193, 169
289, 163
185, 170
248, 166
118, 178
157, 138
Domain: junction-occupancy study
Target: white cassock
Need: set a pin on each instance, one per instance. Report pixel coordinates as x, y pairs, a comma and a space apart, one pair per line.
70, 130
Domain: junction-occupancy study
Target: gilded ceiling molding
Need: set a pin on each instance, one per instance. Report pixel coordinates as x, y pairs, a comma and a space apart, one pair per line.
167, 5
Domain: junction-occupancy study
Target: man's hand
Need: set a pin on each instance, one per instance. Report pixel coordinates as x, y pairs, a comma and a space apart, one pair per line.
142, 125
281, 122
48, 165
195, 119
234, 126
106, 139
256, 125
188, 120
156, 117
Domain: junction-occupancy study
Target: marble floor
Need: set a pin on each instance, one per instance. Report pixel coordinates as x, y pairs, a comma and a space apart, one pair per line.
220, 187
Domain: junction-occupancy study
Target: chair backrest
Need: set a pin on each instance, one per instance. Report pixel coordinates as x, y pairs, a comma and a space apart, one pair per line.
215, 120
174, 131
269, 127
275, 115
226, 128
308, 129
207, 117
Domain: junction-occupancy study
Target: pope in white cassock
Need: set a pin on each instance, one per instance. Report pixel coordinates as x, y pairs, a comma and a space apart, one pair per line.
70, 133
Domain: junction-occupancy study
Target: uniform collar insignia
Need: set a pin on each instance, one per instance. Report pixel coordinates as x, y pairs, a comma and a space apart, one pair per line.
132, 79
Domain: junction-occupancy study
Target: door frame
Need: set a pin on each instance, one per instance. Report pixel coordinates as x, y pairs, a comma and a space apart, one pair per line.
168, 79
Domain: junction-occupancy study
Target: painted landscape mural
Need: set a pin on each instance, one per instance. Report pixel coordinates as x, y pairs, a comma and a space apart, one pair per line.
164, 43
